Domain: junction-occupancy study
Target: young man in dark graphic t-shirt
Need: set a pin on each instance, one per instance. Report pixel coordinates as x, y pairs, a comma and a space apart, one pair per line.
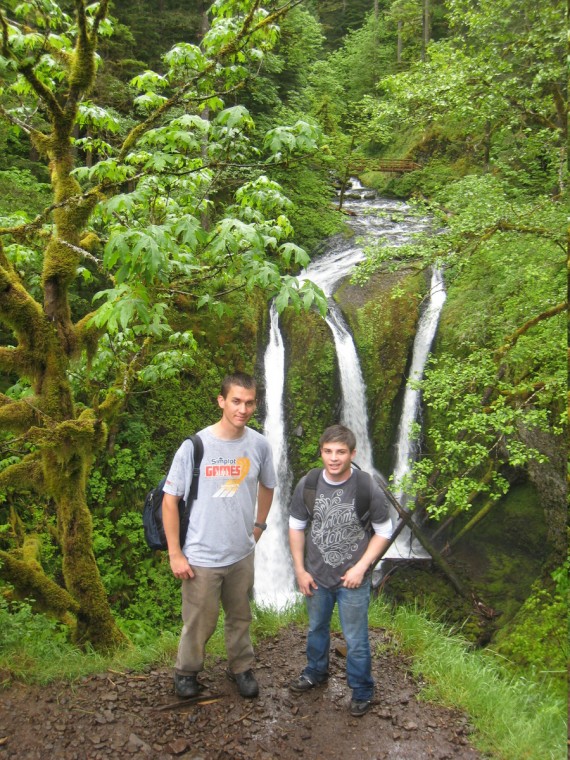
333, 555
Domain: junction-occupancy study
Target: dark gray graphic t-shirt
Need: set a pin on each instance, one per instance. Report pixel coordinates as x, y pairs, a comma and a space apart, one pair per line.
335, 538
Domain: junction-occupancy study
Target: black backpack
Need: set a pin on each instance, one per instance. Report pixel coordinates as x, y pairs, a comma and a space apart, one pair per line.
363, 494
152, 511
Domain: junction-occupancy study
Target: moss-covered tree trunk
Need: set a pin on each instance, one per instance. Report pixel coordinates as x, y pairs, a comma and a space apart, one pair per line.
63, 443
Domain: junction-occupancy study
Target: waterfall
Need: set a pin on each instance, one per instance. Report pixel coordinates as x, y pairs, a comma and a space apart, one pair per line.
274, 577
354, 414
405, 545
374, 218
406, 447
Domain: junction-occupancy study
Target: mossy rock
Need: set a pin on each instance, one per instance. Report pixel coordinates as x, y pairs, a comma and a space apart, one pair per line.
505, 552
312, 386
535, 641
421, 584
383, 315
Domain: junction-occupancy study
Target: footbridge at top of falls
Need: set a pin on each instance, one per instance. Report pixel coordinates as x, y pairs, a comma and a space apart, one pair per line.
390, 165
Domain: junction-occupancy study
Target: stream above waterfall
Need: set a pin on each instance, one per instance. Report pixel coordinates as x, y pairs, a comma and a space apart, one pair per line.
371, 218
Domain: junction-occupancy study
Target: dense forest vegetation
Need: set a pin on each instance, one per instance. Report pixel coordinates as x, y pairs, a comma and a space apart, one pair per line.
167, 168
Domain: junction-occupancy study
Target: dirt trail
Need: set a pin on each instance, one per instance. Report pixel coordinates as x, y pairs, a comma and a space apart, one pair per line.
112, 716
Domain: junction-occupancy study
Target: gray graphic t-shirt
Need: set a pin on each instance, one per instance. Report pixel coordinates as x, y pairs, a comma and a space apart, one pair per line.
221, 518
335, 538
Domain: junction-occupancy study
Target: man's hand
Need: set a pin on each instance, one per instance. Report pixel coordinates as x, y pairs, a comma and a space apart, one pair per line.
306, 583
180, 566
353, 577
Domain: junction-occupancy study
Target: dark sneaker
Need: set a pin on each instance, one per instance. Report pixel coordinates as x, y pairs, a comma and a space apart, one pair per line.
304, 683
186, 686
246, 683
358, 708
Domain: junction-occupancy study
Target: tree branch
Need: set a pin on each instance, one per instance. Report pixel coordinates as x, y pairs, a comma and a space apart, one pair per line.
512, 339
26, 475
29, 579
24, 316
232, 47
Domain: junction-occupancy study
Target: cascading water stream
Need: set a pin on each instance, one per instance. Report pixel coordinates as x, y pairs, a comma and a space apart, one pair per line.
406, 546
406, 447
274, 577
373, 218
353, 414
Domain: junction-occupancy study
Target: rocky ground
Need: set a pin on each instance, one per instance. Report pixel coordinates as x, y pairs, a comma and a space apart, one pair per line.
115, 715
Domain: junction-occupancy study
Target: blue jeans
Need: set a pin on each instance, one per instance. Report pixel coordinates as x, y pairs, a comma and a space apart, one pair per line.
353, 613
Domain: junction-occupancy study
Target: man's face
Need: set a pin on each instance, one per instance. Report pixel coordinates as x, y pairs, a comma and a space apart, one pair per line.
337, 458
238, 406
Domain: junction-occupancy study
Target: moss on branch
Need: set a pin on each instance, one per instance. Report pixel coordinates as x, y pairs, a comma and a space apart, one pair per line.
31, 582
17, 416
26, 475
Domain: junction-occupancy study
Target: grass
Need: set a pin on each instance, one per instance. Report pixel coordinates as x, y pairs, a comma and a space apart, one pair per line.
35, 649
514, 718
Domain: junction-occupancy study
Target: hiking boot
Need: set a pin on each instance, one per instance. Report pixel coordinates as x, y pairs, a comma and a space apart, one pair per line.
304, 683
246, 683
358, 707
187, 686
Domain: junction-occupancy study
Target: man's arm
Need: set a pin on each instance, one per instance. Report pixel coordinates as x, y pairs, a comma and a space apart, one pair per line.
171, 521
264, 500
354, 575
305, 580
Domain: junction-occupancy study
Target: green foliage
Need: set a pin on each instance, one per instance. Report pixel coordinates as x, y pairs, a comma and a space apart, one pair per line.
30, 641
367, 54
535, 642
35, 649
503, 254
502, 103
22, 194
312, 215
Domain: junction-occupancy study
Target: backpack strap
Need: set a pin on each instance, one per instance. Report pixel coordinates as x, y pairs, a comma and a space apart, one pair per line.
193, 493
310, 489
197, 459
363, 498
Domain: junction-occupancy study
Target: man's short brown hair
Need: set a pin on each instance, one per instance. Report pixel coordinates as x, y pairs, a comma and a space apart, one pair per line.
237, 378
338, 434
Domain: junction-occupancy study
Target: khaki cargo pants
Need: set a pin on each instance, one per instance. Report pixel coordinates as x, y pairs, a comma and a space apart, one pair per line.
201, 597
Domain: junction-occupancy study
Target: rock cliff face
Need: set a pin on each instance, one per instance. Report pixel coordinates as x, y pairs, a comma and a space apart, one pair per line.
549, 480
312, 386
384, 328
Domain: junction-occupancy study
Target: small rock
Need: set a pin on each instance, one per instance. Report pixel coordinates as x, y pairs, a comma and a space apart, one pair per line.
178, 746
136, 744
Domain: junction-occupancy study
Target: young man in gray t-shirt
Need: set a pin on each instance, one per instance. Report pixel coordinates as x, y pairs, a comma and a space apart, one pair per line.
216, 562
333, 555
